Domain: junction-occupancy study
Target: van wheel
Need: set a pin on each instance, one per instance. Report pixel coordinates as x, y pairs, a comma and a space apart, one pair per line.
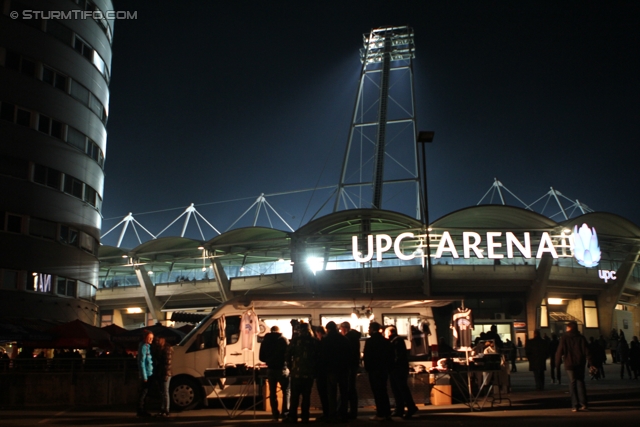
185, 394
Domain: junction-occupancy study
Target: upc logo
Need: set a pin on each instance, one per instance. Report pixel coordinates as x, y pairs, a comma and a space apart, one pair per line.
585, 246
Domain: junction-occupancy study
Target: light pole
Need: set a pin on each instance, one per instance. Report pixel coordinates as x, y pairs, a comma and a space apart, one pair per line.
425, 137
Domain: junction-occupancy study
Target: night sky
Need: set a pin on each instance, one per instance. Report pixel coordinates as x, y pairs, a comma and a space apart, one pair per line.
216, 102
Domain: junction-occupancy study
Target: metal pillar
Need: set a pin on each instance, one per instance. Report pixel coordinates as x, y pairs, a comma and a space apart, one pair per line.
381, 150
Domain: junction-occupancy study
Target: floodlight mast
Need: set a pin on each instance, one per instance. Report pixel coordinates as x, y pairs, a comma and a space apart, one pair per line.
382, 121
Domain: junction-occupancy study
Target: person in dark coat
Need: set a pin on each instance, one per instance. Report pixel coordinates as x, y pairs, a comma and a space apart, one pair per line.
573, 351
555, 369
634, 357
302, 359
354, 365
334, 356
272, 352
537, 352
377, 357
597, 359
162, 353
399, 374
321, 376
623, 357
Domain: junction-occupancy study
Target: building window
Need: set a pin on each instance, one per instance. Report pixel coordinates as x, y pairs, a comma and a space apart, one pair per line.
16, 168
590, 314
73, 186
544, 316
23, 117
14, 223
59, 31
68, 235
76, 138
42, 228
83, 48
9, 279
55, 79
7, 111
66, 287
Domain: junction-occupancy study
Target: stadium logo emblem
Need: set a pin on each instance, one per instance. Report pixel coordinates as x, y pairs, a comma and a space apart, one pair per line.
585, 246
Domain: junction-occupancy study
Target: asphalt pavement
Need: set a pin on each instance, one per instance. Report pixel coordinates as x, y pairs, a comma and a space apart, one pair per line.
611, 400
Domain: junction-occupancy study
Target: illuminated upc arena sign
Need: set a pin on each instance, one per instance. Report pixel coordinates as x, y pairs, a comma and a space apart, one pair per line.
471, 242
583, 243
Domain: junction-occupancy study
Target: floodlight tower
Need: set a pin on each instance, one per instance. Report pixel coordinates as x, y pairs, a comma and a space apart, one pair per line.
381, 149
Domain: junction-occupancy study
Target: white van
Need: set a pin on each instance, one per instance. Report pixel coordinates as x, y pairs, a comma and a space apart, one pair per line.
225, 357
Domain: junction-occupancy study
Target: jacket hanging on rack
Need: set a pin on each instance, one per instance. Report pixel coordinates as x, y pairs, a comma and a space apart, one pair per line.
462, 325
249, 328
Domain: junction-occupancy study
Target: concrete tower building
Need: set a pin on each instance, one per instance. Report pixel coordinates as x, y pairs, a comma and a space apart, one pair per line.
55, 63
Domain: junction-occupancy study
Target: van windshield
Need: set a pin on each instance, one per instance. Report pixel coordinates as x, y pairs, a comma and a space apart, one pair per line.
196, 329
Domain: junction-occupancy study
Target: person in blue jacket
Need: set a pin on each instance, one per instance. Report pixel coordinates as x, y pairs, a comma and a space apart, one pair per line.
145, 370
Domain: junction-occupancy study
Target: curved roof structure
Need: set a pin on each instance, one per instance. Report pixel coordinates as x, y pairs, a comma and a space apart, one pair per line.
495, 216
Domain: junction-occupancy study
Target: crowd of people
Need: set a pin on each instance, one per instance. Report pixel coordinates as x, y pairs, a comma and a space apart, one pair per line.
581, 357
330, 358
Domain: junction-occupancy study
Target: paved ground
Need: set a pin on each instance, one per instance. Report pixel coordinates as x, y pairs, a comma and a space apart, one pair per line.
611, 400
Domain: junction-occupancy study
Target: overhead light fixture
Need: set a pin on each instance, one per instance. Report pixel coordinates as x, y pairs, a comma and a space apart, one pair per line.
134, 310
555, 301
363, 313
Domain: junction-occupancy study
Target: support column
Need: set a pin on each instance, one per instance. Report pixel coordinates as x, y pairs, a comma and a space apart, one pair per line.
224, 285
149, 291
608, 298
538, 291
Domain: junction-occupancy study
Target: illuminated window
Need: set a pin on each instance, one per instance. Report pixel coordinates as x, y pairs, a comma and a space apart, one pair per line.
590, 314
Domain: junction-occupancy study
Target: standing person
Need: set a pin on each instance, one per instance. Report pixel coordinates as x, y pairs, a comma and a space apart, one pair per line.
399, 374
613, 345
272, 352
537, 352
510, 352
354, 365
623, 356
321, 376
573, 352
519, 348
145, 370
377, 357
555, 369
302, 359
596, 359
334, 352
634, 357
162, 353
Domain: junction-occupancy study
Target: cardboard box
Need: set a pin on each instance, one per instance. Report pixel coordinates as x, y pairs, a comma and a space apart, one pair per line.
441, 394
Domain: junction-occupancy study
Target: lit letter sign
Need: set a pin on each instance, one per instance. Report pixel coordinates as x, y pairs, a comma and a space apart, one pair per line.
491, 245
512, 240
356, 252
382, 247
42, 282
546, 245
398, 251
466, 244
446, 244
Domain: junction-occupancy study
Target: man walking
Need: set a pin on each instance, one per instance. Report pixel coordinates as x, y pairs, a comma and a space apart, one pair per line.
399, 374
573, 349
272, 352
377, 361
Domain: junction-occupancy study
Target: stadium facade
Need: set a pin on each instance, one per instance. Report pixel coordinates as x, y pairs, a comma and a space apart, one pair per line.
506, 263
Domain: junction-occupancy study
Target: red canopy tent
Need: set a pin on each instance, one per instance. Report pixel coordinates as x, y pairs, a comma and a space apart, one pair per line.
77, 334
113, 329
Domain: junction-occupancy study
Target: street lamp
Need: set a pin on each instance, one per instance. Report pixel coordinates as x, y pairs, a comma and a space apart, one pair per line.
425, 137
